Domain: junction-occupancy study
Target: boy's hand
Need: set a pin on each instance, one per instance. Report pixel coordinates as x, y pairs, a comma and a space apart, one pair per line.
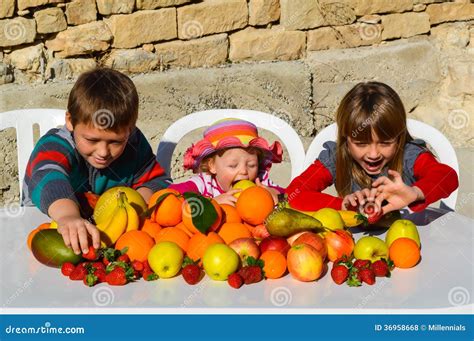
354, 200
227, 197
75, 232
395, 192
272, 191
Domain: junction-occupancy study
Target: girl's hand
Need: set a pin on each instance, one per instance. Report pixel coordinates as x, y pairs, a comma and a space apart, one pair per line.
75, 231
272, 191
227, 197
360, 198
395, 192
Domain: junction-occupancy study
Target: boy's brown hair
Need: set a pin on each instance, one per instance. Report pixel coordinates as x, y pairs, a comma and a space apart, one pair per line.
104, 98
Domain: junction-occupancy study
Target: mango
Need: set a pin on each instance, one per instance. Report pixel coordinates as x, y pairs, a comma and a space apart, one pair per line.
49, 249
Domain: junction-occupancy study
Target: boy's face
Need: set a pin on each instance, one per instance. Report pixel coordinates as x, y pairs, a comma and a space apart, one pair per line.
98, 147
234, 165
372, 156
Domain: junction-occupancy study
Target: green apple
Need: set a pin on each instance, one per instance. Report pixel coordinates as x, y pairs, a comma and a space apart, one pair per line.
329, 217
220, 261
371, 248
165, 259
243, 185
402, 228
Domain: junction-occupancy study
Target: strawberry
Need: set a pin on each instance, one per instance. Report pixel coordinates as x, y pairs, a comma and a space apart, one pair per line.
235, 280
117, 276
149, 275
373, 219
339, 274
367, 276
381, 268
90, 280
67, 268
78, 273
138, 266
101, 275
361, 263
91, 254
146, 266
191, 273
251, 274
98, 265
123, 258
369, 216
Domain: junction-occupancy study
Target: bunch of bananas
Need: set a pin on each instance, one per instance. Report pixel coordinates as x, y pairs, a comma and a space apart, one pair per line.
120, 217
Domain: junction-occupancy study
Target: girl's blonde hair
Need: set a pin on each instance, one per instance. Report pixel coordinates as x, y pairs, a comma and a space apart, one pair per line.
204, 165
368, 107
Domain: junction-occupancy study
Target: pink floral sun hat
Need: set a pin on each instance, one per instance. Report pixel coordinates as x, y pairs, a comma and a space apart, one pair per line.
232, 133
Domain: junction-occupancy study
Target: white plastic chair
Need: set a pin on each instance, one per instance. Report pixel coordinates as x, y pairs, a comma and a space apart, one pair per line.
23, 120
200, 119
438, 142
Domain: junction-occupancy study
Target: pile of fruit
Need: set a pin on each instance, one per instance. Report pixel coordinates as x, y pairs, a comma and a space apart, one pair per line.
194, 236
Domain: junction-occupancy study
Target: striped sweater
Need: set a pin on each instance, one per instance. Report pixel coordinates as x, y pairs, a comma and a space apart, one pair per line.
56, 170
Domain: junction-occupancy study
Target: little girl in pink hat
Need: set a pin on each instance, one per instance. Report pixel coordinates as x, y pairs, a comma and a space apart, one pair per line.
230, 151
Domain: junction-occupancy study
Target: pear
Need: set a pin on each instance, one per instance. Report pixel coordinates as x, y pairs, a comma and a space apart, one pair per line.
284, 222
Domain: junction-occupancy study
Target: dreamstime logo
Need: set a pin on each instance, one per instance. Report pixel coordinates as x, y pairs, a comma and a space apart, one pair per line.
281, 296
103, 119
14, 30
103, 296
458, 296
458, 119
14, 210
369, 32
192, 29
193, 208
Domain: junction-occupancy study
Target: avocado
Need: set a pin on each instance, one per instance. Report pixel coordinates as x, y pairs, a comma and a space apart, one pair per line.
49, 249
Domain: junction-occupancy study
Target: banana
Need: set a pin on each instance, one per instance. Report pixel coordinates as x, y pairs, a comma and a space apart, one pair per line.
133, 220
350, 218
116, 226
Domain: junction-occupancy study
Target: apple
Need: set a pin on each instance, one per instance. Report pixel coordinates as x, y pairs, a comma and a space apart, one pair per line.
165, 259
315, 241
293, 237
304, 263
245, 247
329, 218
242, 185
371, 248
339, 243
402, 228
275, 243
220, 261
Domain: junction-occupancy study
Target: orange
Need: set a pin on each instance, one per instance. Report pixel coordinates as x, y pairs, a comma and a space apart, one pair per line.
404, 252
232, 231
151, 227
200, 242
254, 205
139, 243
175, 235
168, 213
188, 220
183, 227
275, 264
230, 214
35, 231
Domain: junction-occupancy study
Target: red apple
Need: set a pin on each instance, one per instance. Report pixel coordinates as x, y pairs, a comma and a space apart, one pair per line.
275, 243
339, 243
245, 247
304, 263
315, 241
295, 236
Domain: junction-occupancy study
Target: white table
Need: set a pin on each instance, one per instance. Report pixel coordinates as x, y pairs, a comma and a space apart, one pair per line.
442, 282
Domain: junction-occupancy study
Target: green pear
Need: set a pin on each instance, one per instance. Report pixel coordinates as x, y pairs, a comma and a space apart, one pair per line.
284, 222
371, 248
402, 228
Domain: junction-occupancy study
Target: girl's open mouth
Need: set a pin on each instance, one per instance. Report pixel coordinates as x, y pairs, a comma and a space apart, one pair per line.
373, 166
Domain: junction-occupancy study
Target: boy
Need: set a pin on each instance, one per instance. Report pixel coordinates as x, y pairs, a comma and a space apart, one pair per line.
99, 147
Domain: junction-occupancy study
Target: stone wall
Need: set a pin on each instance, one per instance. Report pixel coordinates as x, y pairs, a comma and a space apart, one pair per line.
293, 58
